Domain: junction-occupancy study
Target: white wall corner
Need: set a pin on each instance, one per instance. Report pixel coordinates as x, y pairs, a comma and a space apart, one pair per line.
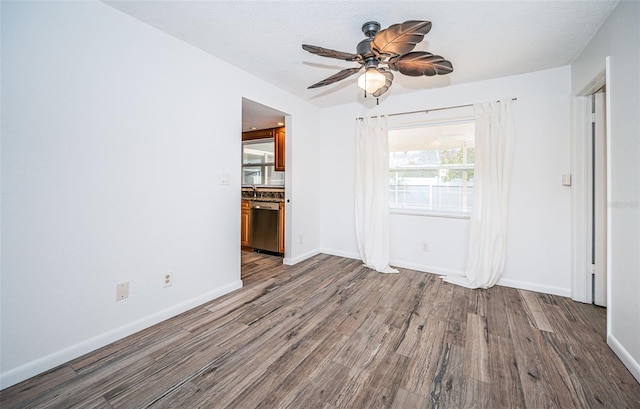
290, 261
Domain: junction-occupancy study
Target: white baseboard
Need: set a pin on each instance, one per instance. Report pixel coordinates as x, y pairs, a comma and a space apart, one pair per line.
340, 253
522, 285
295, 260
539, 288
632, 365
51, 361
425, 269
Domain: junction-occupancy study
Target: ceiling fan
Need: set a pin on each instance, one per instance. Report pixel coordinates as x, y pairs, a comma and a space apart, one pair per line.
383, 51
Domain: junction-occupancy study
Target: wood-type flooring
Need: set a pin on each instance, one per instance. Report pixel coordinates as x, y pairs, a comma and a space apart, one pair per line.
330, 333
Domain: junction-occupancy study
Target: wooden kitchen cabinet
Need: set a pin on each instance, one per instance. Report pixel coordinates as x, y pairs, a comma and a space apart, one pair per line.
245, 223
259, 134
279, 136
281, 228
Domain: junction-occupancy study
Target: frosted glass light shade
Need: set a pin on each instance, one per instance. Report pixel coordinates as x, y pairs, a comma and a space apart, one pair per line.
371, 81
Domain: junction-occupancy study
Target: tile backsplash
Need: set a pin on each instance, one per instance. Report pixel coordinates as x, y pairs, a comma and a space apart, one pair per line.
266, 194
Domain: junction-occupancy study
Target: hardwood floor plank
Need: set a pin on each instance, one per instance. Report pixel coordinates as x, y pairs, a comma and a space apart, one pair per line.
29, 390
287, 334
506, 388
478, 302
497, 313
411, 337
366, 342
478, 395
449, 385
476, 358
404, 299
236, 300
376, 386
355, 310
407, 400
424, 364
93, 403
330, 333
537, 388
586, 357
322, 389
442, 302
457, 318
162, 377
534, 310
289, 371
310, 367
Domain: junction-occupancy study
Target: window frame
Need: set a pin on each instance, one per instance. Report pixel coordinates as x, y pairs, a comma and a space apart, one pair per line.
462, 167
262, 165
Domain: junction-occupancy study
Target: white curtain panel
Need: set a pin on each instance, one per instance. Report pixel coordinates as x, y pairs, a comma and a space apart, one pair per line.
495, 141
372, 193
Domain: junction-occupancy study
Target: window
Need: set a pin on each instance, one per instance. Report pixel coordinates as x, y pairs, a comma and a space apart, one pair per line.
431, 167
258, 163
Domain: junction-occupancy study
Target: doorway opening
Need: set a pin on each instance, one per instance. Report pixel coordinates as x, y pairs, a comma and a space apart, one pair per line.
590, 192
264, 179
597, 197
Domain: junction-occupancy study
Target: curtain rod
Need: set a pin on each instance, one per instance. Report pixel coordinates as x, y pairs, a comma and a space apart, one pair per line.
427, 110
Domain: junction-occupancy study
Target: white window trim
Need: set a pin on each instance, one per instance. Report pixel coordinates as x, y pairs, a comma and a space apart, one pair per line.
425, 212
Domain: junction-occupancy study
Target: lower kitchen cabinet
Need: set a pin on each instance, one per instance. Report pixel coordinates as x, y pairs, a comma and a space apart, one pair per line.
281, 228
245, 223
245, 226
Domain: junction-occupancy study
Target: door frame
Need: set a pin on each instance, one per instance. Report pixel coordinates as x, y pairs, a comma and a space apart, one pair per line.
598, 209
581, 284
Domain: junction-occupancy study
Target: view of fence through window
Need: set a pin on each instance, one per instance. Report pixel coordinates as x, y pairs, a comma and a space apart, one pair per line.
431, 167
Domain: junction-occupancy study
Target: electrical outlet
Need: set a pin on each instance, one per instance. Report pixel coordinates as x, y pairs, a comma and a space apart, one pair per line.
300, 239
122, 291
168, 280
425, 247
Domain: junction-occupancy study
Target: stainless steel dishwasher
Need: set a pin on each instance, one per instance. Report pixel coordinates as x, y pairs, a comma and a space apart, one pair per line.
265, 225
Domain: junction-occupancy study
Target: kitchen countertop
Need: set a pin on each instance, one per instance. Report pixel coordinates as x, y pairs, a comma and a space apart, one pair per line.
263, 195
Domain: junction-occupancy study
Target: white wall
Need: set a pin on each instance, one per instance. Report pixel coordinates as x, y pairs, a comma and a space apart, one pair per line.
619, 38
114, 136
538, 251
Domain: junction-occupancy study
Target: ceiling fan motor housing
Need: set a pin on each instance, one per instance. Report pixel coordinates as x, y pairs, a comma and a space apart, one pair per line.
364, 48
370, 28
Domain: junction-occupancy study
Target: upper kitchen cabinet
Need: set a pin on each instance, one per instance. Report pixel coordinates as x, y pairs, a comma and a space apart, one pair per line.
259, 134
279, 135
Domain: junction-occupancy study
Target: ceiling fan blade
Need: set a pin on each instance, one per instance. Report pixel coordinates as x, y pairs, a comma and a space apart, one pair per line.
399, 38
336, 77
325, 52
420, 63
387, 84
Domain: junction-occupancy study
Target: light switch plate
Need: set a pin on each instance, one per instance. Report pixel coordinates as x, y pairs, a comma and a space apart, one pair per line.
225, 179
122, 291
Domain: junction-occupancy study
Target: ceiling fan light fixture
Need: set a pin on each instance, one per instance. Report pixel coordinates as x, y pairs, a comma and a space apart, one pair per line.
372, 80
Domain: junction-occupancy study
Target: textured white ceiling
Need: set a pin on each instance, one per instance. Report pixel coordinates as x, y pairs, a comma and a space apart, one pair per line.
483, 39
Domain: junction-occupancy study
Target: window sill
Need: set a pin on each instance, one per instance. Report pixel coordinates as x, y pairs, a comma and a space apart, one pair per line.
427, 213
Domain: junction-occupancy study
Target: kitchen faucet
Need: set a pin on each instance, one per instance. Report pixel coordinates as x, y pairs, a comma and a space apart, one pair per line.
254, 191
